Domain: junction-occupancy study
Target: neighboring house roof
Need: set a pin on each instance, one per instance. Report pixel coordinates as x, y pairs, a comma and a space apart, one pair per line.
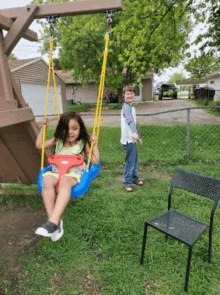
190, 81
214, 74
17, 64
66, 76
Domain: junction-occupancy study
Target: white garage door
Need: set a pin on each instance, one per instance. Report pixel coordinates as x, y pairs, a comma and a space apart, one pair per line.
35, 96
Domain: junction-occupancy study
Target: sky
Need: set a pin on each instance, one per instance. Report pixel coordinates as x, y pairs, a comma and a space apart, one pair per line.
26, 49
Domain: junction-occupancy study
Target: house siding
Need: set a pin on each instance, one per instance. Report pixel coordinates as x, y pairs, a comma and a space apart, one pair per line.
34, 73
82, 95
215, 86
90, 93
37, 73
147, 90
63, 95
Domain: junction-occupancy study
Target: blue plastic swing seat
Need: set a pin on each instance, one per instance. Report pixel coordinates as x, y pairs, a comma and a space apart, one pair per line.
81, 187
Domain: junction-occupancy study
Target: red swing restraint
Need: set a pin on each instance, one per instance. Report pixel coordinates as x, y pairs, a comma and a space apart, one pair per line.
65, 162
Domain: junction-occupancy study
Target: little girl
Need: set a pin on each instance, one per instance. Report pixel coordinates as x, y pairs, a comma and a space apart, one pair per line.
70, 138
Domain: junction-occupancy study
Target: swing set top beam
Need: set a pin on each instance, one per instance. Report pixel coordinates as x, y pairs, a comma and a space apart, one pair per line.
67, 8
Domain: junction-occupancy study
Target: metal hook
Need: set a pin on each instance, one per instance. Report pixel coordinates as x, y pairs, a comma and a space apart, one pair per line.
109, 15
52, 21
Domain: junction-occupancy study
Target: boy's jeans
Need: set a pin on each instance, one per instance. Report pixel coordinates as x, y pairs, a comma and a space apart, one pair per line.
131, 164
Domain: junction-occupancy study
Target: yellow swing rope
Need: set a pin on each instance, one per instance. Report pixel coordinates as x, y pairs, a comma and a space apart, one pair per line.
97, 119
51, 67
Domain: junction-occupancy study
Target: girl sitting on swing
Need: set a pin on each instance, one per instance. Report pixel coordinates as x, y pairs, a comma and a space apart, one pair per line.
70, 138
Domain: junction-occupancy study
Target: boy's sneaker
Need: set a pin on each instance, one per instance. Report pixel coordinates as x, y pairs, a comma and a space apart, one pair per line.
128, 188
59, 232
139, 182
47, 229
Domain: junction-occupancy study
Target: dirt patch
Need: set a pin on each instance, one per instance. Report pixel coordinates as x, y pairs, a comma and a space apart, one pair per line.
149, 285
119, 177
161, 175
17, 229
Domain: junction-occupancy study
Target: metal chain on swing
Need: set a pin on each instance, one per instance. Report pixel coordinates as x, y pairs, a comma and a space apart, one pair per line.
109, 15
52, 21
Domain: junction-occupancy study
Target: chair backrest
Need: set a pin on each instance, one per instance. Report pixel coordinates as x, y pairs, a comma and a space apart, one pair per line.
202, 185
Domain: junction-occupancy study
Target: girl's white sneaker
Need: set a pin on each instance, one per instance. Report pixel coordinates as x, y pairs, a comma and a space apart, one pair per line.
58, 233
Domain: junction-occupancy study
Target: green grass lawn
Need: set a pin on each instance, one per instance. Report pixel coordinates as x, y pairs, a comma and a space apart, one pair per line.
86, 107
100, 250
205, 102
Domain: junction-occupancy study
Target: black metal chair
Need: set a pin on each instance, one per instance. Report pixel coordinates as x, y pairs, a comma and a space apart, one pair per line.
183, 227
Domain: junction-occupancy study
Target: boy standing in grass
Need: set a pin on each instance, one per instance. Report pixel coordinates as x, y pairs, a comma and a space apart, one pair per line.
129, 135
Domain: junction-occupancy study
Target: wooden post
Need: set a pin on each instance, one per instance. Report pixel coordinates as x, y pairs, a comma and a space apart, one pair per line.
7, 100
18, 28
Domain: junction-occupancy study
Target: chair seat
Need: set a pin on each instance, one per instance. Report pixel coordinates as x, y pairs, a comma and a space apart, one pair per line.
178, 225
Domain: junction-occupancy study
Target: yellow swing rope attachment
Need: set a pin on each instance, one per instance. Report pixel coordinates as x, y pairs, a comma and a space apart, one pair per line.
97, 119
56, 106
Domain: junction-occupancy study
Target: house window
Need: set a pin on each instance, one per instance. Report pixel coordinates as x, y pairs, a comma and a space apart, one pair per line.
137, 91
212, 82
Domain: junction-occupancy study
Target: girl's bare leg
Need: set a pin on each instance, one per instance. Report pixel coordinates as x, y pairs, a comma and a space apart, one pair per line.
63, 198
48, 193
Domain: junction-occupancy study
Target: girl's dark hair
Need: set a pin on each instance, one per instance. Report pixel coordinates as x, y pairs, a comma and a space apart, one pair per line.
62, 130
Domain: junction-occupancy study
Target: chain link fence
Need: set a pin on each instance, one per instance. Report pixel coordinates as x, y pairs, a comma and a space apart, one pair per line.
171, 136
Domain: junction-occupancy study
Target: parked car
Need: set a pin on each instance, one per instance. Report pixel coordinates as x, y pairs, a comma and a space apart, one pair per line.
168, 90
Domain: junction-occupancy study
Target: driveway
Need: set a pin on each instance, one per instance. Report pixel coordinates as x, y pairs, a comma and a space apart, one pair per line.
197, 116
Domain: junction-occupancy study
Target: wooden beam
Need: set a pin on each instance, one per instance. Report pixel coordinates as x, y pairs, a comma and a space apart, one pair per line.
68, 8
7, 104
18, 28
9, 166
17, 94
15, 116
6, 23
5, 77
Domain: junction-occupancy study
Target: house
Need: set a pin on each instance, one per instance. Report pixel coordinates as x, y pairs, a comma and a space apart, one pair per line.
76, 92
31, 77
184, 86
213, 81
80, 94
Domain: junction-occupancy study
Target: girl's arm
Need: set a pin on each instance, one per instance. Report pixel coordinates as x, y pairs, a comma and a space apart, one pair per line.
95, 151
48, 143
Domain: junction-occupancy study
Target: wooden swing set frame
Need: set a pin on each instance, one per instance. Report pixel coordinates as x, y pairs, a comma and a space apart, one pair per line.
19, 158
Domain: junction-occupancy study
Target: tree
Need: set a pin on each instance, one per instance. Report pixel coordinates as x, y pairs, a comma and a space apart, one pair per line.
176, 77
202, 65
147, 35
12, 56
209, 41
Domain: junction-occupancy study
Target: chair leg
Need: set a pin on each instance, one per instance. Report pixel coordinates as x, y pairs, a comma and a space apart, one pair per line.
144, 242
188, 269
210, 245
